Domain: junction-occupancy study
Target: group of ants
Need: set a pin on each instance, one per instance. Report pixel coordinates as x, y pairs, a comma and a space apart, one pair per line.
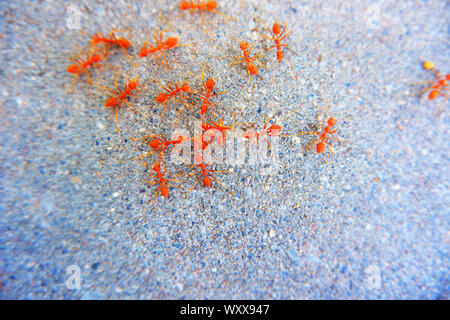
180, 92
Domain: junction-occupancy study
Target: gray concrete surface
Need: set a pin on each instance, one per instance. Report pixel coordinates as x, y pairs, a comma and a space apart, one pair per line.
69, 195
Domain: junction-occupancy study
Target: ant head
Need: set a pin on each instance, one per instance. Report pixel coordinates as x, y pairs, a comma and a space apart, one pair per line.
156, 167
428, 65
171, 42
185, 87
182, 138
143, 52
164, 191
95, 39
331, 122
207, 182
274, 129
253, 69
133, 84
243, 45
320, 147
210, 83
447, 77
155, 144
211, 5
161, 97
184, 5
276, 28
73, 69
96, 58
124, 43
111, 102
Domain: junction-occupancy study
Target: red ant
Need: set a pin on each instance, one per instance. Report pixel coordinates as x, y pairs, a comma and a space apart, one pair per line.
251, 67
273, 130
159, 46
112, 40
173, 90
206, 175
209, 6
277, 36
159, 143
219, 126
81, 66
441, 85
121, 95
163, 187
208, 86
322, 141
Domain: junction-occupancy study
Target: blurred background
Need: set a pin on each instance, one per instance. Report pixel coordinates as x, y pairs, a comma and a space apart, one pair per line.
78, 220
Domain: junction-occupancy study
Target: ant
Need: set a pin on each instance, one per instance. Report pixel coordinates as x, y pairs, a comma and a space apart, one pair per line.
159, 46
206, 175
278, 36
121, 95
440, 87
159, 143
251, 67
173, 90
273, 130
111, 40
208, 6
216, 126
81, 66
208, 86
323, 139
163, 187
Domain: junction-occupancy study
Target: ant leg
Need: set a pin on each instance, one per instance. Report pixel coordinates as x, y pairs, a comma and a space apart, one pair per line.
106, 89
142, 138
213, 110
159, 84
156, 37
156, 197
235, 63
308, 132
203, 22
74, 81
195, 183
439, 109
203, 70
216, 94
329, 153
143, 155
117, 118
172, 186
221, 184
164, 110
164, 56
283, 37
224, 15
88, 76
131, 106
250, 77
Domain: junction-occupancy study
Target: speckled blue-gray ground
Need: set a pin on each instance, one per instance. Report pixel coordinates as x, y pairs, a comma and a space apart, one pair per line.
70, 196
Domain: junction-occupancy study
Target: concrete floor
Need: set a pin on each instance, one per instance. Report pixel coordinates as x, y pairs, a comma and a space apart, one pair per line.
372, 223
